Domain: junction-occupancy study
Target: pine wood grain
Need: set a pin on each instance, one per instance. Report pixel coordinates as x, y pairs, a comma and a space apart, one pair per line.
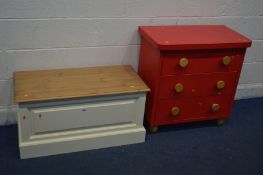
30, 86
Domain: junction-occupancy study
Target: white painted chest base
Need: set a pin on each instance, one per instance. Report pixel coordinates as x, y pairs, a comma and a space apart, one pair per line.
55, 127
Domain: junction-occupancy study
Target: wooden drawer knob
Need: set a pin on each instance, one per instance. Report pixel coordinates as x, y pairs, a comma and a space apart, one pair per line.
183, 62
179, 87
175, 111
226, 60
220, 84
215, 107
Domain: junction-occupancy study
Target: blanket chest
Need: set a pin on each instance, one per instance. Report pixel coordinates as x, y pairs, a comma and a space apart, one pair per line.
68, 110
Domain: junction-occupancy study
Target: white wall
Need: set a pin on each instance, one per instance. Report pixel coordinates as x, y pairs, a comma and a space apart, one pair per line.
43, 34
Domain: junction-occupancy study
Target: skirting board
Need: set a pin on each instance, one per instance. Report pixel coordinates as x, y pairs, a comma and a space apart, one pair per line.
82, 141
245, 91
8, 115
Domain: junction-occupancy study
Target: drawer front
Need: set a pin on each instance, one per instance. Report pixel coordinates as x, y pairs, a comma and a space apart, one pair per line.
84, 115
200, 63
214, 84
185, 110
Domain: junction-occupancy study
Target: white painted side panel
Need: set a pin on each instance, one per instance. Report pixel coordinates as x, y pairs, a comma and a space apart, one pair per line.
84, 115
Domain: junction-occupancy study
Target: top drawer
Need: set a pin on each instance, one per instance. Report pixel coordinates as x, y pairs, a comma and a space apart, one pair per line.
201, 62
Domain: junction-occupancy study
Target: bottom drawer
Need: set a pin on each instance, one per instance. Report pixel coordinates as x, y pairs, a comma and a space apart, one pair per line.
177, 111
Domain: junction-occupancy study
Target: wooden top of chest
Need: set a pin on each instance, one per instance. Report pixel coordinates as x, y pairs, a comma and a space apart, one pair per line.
31, 86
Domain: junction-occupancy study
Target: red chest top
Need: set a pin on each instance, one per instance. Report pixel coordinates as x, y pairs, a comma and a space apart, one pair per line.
193, 37
193, 72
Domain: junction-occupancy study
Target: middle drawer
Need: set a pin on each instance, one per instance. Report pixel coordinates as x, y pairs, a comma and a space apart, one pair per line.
194, 85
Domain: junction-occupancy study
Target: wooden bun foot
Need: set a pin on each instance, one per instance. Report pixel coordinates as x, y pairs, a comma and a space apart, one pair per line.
153, 129
220, 122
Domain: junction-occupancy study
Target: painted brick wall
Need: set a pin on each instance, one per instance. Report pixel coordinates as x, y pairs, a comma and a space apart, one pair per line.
44, 34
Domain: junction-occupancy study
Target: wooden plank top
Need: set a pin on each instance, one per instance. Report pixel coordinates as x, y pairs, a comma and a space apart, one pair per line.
41, 85
192, 37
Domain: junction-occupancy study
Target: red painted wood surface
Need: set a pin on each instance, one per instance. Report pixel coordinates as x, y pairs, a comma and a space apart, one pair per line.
149, 69
191, 110
197, 85
159, 68
202, 62
193, 37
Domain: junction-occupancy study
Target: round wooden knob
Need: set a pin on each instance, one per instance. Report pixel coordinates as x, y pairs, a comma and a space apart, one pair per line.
220, 84
226, 60
179, 87
175, 111
215, 107
183, 62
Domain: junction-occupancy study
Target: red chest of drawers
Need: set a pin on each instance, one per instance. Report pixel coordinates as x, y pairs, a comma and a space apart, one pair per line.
192, 71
